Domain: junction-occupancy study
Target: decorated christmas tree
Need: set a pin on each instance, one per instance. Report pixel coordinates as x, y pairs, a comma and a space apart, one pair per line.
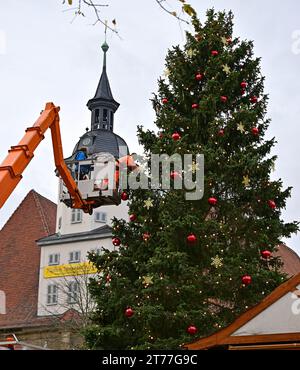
184, 268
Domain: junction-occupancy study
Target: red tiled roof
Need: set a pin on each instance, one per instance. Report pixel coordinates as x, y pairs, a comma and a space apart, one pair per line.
20, 257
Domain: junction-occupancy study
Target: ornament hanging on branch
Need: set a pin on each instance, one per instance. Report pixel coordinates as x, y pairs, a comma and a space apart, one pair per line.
124, 196
116, 242
255, 131
195, 106
191, 239
271, 204
192, 330
246, 279
217, 261
223, 99
199, 76
132, 217
212, 201
146, 237
148, 203
214, 53
265, 254
176, 136
129, 312
165, 101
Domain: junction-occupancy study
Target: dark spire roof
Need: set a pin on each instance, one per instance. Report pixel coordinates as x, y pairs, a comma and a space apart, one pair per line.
103, 95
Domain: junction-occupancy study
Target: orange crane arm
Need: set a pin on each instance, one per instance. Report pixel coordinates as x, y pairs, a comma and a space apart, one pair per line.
20, 155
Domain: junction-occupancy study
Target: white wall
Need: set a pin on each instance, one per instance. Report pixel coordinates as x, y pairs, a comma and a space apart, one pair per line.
88, 221
63, 249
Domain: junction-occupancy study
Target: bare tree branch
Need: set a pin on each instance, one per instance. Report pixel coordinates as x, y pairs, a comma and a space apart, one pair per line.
174, 14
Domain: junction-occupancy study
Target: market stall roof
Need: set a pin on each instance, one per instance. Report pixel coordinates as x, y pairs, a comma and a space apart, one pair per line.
274, 323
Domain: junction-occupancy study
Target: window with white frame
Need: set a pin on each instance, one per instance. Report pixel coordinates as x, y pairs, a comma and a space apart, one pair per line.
73, 291
76, 216
101, 217
52, 294
74, 256
53, 259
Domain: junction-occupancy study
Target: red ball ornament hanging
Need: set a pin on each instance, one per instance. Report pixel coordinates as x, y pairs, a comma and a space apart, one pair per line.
271, 204
255, 131
265, 254
214, 53
198, 76
129, 312
223, 99
221, 132
191, 239
116, 241
195, 106
253, 99
174, 175
176, 136
146, 237
243, 84
243, 92
192, 330
132, 217
165, 101
212, 201
124, 195
246, 279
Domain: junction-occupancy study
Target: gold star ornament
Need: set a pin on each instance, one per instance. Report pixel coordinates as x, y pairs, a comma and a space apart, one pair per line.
241, 128
193, 167
246, 181
147, 280
217, 261
148, 203
226, 68
190, 52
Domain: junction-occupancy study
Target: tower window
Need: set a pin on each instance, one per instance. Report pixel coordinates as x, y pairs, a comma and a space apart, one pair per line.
105, 115
97, 115
111, 121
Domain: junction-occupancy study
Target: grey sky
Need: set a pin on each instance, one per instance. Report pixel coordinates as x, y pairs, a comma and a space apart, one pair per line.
45, 58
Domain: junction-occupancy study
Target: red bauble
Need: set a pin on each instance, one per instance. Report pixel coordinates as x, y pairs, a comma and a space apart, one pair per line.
253, 99
221, 132
116, 242
198, 76
212, 201
195, 106
165, 101
246, 279
132, 217
214, 53
124, 195
192, 330
243, 92
265, 254
255, 131
271, 204
243, 84
176, 136
174, 175
129, 312
146, 237
223, 99
191, 239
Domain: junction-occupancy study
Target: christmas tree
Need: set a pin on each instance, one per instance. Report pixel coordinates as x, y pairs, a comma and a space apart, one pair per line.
183, 268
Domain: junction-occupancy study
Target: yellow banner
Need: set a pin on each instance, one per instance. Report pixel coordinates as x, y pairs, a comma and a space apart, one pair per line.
71, 269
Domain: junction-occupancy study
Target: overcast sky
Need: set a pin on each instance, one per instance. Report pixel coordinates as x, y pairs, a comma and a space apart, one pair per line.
43, 57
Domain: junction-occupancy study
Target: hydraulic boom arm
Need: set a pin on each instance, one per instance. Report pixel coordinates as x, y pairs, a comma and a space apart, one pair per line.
20, 155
